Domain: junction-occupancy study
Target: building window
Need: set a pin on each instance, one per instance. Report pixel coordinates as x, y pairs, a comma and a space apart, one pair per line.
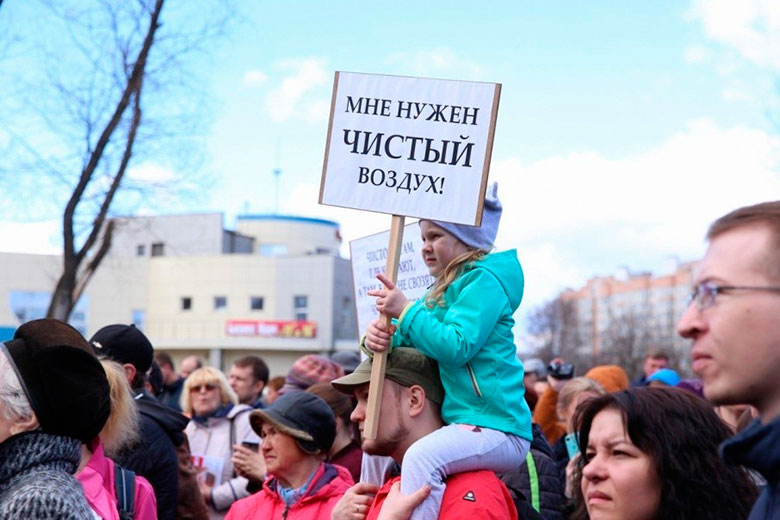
186, 303
141, 250
220, 303
301, 307
256, 303
272, 249
158, 249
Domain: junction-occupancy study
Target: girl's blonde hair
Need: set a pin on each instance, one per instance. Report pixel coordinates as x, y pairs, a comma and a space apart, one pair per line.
206, 376
121, 430
436, 295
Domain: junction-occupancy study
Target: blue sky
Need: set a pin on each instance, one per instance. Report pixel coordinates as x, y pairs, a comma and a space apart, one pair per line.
624, 127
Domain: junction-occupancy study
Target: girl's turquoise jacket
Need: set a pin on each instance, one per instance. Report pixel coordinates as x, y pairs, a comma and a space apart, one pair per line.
471, 338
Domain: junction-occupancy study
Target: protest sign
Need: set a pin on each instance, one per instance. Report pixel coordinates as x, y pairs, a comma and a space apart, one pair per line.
369, 255
409, 146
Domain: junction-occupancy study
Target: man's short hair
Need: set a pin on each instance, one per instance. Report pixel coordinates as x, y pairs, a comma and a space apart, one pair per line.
164, 359
657, 353
767, 213
198, 361
259, 368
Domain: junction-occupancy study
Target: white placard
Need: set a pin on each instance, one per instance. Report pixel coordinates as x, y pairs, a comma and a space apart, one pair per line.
369, 255
410, 146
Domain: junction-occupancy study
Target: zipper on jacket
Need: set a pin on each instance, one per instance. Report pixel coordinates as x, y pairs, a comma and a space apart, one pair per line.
473, 378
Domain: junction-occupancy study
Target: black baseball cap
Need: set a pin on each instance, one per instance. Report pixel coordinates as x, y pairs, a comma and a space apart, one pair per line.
124, 344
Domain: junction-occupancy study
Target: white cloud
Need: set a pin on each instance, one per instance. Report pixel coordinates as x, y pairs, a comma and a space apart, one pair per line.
5, 138
736, 93
316, 111
752, 27
440, 62
31, 237
151, 173
254, 78
584, 214
697, 54
291, 98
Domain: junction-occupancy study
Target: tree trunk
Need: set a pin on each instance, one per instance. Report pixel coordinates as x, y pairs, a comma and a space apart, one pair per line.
74, 278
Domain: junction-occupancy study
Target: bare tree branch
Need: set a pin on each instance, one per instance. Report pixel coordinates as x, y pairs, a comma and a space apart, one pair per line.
72, 282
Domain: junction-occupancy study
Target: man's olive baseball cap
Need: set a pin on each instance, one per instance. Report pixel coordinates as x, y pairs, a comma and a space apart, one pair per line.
405, 366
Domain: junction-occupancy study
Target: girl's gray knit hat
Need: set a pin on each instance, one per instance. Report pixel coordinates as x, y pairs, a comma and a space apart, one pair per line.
481, 237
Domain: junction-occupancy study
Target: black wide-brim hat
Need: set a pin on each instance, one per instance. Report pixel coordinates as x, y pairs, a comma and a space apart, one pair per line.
61, 377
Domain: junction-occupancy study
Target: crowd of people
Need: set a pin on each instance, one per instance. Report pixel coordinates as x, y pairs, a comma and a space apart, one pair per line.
107, 428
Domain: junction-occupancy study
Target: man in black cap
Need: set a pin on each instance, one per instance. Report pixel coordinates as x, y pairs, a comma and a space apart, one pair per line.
411, 409
161, 427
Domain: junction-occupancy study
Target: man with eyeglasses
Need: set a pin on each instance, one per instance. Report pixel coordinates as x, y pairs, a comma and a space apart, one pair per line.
734, 322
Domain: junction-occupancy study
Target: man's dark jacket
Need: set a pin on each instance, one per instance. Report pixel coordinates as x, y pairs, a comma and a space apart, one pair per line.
758, 448
171, 394
154, 457
551, 497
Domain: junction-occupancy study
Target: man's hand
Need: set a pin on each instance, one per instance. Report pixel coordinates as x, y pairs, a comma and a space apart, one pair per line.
390, 301
248, 463
399, 507
355, 503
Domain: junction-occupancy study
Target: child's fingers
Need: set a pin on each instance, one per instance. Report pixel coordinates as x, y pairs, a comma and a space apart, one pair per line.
389, 284
375, 346
381, 293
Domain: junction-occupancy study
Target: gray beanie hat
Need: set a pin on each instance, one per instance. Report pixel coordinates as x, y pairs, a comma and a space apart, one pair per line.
481, 237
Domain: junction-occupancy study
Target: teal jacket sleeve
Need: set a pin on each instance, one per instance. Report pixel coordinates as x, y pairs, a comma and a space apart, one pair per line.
456, 336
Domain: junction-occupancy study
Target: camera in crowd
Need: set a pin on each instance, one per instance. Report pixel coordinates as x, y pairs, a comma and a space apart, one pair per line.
560, 369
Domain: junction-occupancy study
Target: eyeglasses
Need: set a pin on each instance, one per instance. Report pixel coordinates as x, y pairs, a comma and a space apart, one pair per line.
705, 293
208, 387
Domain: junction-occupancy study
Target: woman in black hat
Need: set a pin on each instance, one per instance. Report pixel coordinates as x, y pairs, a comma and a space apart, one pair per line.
297, 431
53, 397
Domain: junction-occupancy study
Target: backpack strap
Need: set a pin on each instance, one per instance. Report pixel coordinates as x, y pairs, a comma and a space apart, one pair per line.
124, 481
533, 480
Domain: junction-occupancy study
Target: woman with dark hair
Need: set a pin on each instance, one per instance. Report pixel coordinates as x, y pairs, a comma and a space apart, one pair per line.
651, 453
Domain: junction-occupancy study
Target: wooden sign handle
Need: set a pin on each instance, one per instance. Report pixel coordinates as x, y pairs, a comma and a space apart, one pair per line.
380, 358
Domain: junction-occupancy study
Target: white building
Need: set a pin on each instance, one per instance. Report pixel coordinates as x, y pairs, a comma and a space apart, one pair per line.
275, 286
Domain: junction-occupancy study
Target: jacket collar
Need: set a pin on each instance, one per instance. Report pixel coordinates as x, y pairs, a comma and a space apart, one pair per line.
322, 477
220, 413
757, 447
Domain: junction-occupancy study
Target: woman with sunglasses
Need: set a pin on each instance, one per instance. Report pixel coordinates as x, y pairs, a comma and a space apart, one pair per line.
218, 423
